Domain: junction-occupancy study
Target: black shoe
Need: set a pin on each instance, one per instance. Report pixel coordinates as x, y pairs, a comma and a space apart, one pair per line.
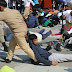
35, 63
7, 60
58, 47
5, 47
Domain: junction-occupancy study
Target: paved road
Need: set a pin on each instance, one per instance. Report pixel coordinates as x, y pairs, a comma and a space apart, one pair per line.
21, 62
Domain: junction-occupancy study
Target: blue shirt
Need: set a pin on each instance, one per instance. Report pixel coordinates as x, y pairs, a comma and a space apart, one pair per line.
36, 1
45, 19
41, 54
32, 21
63, 1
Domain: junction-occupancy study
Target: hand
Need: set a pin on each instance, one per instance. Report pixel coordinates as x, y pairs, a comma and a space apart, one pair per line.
54, 63
51, 43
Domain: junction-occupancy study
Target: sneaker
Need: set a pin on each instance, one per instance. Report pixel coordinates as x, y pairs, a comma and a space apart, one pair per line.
8, 61
58, 47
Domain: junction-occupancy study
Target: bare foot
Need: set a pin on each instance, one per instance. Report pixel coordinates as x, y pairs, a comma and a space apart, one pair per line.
52, 34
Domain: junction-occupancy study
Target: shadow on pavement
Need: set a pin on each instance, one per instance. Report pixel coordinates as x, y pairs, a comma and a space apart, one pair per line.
69, 70
25, 59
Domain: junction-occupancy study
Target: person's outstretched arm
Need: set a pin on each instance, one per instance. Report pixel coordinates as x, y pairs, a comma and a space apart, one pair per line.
49, 46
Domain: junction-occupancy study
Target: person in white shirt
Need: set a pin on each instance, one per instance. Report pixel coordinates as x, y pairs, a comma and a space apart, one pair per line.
68, 15
27, 7
14, 4
40, 35
7, 2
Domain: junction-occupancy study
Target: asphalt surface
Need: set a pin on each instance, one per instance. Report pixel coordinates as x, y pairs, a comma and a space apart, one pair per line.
21, 61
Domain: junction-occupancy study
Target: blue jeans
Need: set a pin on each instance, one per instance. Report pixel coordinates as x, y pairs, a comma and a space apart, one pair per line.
45, 35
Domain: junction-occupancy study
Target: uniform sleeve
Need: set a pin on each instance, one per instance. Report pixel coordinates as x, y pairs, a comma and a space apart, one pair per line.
1, 16
41, 59
31, 2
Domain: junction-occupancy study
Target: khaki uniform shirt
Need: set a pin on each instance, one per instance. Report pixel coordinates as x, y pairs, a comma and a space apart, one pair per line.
13, 19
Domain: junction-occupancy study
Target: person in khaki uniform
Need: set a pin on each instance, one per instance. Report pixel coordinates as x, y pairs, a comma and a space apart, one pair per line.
70, 4
2, 40
68, 15
19, 29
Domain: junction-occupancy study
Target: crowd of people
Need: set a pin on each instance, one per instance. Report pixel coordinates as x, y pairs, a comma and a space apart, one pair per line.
36, 16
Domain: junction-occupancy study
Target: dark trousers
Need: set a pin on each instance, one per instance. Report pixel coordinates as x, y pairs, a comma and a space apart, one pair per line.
44, 35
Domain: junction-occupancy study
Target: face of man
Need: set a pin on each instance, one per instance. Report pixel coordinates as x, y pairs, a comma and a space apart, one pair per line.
35, 41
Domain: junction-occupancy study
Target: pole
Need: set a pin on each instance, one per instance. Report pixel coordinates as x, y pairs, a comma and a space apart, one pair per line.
62, 19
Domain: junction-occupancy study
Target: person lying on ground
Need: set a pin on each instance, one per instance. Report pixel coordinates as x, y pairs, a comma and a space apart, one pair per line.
54, 19
48, 23
45, 57
32, 22
39, 35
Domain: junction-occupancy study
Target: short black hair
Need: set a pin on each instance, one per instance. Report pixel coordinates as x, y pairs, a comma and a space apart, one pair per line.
50, 24
3, 3
34, 13
32, 37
